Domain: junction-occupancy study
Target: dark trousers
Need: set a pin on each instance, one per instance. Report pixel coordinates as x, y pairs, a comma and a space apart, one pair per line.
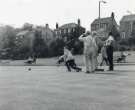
71, 64
110, 57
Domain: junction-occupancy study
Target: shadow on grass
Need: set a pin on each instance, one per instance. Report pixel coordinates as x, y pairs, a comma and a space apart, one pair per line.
124, 64
122, 71
108, 73
115, 72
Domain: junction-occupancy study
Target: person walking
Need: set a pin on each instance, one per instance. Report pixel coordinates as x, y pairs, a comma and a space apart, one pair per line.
90, 51
104, 55
109, 50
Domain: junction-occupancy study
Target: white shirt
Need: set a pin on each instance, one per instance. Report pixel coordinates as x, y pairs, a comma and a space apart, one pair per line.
109, 40
67, 55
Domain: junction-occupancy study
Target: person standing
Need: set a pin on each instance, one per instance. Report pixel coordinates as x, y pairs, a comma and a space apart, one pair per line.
89, 51
97, 47
109, 50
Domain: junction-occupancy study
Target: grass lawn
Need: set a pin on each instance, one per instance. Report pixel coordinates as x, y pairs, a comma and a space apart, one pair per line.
52, 61
53, 88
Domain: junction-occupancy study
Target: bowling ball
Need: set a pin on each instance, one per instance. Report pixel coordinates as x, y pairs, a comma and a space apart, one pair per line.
29, 69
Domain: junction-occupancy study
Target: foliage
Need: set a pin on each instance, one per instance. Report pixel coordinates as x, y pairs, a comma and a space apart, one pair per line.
124, 42
115, 33
40, 48
78, 47
8, 37
131, 41
56, 47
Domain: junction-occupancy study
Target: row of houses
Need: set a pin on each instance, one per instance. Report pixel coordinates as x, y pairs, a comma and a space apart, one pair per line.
104, 25
127, 26
69, 31
72, 30
25, 36
66, 32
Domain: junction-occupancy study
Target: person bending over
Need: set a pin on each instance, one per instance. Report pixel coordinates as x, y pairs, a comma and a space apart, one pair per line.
69, 60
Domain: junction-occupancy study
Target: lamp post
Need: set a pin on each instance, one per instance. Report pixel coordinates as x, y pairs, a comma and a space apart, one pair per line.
99, 6
99, 9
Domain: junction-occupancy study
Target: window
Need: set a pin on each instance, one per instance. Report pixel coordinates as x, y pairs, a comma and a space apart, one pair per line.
56, 32
103, 25
69, 30
60, 32
73, 29
97, 26
93, 28
65, 39
64, 31
123, 35
106, 26
133, 26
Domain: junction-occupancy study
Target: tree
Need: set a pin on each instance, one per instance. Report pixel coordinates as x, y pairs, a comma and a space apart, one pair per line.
40, 48
56, 47
8, 40
115, 33
8, 37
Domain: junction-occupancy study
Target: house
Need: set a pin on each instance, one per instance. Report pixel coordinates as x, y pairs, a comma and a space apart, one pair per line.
104, 25
46, 33
25, 38
69, 31
127, 26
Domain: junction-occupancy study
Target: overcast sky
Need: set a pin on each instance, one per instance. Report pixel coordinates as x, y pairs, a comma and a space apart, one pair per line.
40, 12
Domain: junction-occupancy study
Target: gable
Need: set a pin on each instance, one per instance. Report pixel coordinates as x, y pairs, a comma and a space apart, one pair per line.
128, 18
107, 20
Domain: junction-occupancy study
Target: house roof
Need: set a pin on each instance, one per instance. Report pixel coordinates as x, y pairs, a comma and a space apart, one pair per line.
69, 25
47, 29
128, 18
22, 33
102, 20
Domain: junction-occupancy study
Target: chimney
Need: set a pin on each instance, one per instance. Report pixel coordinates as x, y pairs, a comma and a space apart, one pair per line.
57, 26
112, 15
47, 25
79, 22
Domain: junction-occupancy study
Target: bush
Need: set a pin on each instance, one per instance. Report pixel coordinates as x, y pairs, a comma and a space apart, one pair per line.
123, 48
56, 47
124, 42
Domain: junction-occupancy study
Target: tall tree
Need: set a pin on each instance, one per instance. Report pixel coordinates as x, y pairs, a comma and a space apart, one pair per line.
39, 46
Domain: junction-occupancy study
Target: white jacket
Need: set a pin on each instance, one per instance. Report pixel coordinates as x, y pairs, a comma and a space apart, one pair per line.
89, 42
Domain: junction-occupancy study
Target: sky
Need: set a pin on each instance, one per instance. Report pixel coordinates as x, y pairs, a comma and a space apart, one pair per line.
40, 12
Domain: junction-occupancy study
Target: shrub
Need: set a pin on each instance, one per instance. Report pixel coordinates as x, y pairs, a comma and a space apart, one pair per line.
123, 48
